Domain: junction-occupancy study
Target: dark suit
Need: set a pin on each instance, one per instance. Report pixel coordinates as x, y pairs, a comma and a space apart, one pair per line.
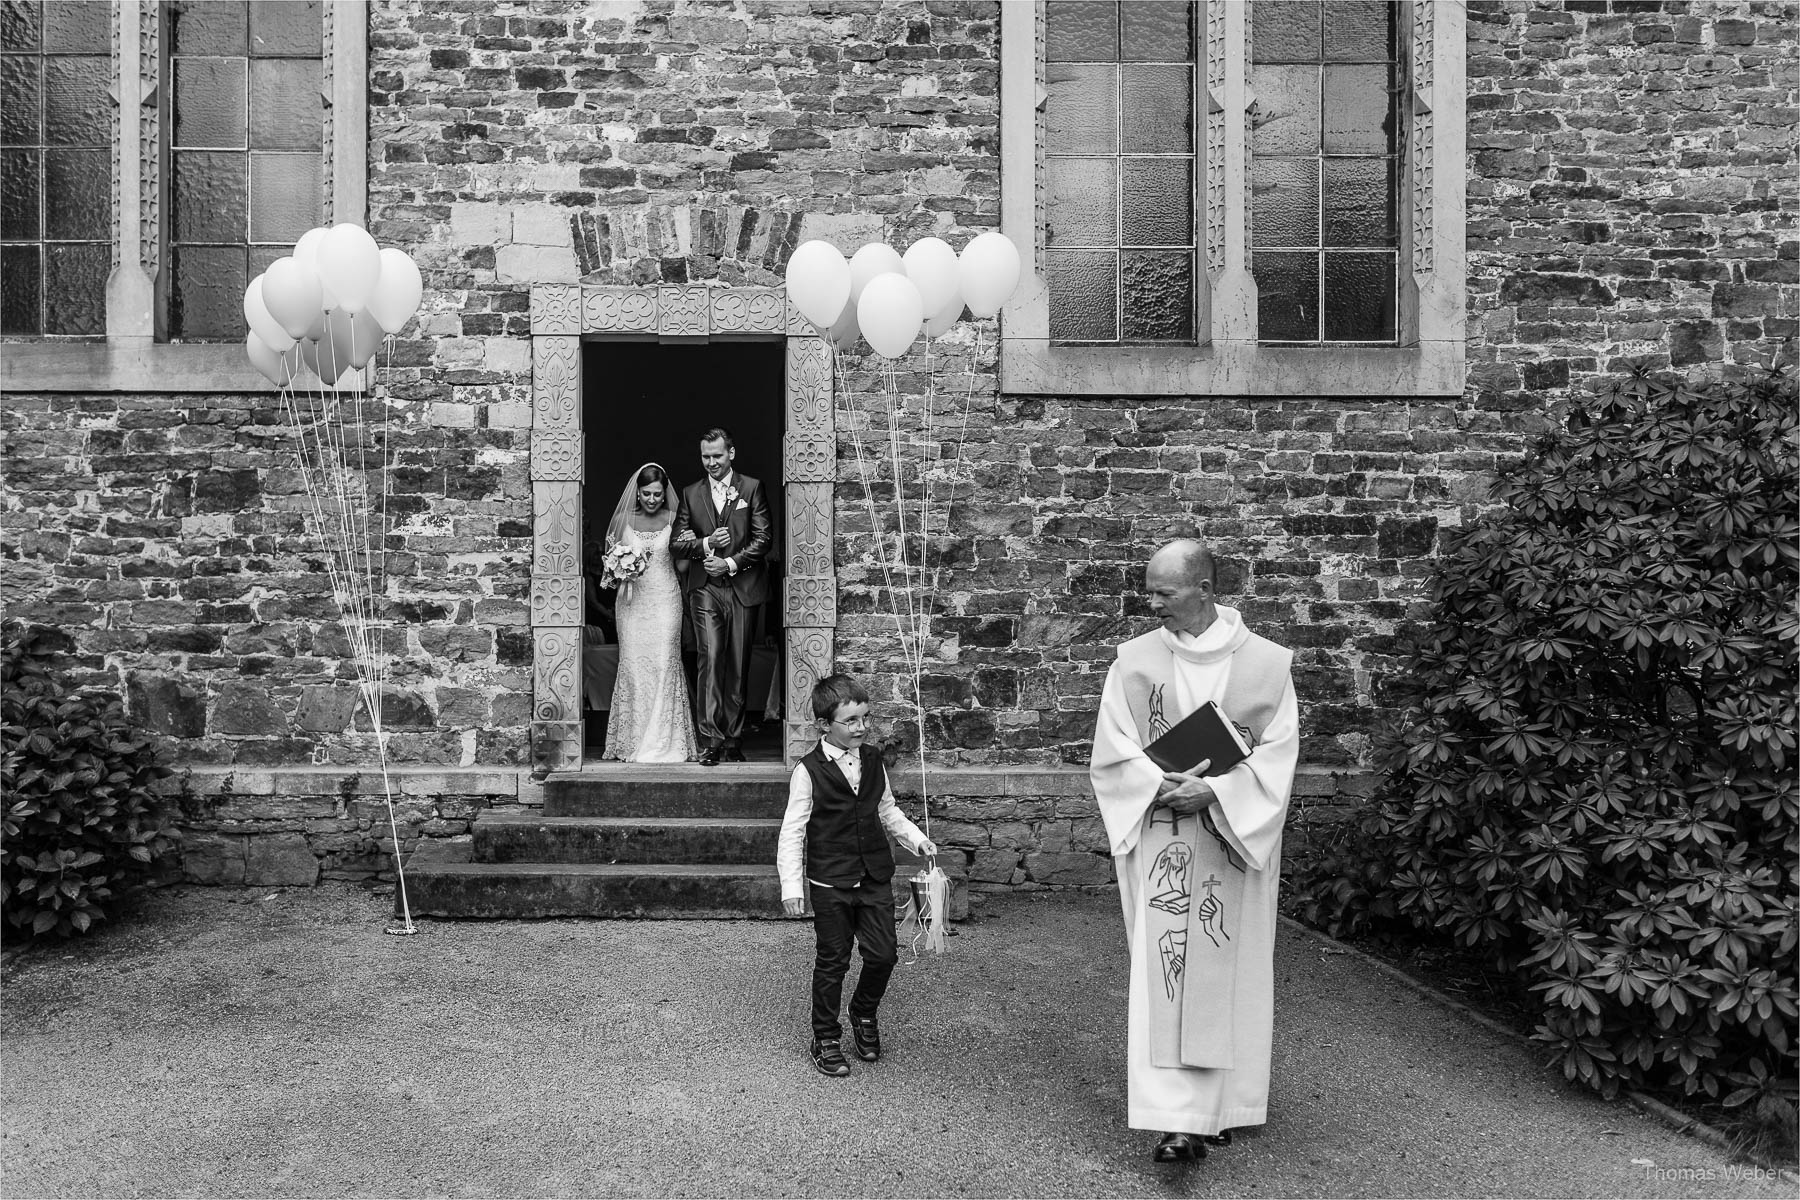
723, 608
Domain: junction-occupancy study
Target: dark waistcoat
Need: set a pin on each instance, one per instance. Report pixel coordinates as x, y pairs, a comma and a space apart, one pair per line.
845, 842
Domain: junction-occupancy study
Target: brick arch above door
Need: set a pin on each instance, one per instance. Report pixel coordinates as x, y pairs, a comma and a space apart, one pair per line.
562, 317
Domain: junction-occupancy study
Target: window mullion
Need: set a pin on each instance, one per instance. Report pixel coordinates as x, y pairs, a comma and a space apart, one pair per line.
131, 288
1233, 293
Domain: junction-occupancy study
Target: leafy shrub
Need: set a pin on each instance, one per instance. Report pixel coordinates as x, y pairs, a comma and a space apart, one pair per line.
1592, 772
83, 823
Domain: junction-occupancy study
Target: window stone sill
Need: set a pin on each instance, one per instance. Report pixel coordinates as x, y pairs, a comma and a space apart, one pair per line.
1031, 367
124, 367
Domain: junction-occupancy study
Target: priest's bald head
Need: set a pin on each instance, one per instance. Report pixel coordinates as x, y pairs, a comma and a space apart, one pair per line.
1179, 584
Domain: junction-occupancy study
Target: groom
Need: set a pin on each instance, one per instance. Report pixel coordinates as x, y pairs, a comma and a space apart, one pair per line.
723, 525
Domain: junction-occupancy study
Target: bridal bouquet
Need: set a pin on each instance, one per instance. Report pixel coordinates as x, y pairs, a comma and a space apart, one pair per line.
622, 564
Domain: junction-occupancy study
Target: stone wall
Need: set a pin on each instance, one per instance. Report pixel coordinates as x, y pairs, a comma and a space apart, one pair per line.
1630, 193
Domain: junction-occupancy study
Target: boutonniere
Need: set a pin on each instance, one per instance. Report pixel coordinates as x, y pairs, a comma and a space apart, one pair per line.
731, 498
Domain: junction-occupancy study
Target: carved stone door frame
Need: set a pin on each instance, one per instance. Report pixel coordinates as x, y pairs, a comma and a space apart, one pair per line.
562, 317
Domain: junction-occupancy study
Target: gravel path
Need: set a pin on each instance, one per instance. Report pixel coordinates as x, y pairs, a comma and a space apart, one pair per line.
255, 1043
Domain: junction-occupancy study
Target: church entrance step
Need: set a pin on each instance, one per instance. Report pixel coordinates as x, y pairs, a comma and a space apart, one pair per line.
527, 837
442, 881
675, 790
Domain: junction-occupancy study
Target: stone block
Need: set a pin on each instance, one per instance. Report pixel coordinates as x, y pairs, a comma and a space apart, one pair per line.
1069, 869
246, 708
995, 866
535, 264
212, 858
175, 707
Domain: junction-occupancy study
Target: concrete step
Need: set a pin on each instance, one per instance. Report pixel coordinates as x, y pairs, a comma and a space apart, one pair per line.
442, 881
527, 837
675, 790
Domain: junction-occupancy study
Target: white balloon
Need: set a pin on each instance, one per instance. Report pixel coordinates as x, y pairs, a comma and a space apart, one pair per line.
989, 268
931, 265
397, 290
330, 356
876, 258
890, 313
349, 264
947, 316
290, 291
262, 324
843, 333
272, 363
307, 251
818, 282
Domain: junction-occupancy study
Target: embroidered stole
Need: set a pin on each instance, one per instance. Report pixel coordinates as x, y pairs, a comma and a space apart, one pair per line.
1194, 885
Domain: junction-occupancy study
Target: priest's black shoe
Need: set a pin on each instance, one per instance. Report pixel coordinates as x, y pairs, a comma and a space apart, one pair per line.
709, 757
735, 754
865, 1035
1179, 1147
828, 1057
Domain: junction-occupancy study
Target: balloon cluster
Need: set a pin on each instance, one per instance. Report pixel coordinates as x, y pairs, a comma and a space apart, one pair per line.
888, 298
329, 305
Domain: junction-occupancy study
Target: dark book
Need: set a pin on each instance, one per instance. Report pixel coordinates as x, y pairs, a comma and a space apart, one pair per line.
1205, 733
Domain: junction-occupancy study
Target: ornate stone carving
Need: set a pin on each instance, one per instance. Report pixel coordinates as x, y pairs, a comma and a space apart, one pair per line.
556, 745
809, 529
555, 308
809, 660
1421, 183
809, 399
811, 600
556, 675
555, 600
556, 528
683, 313
797, 325
618, 310
748, 310
555, 383
555, 454
1215, 136
807, 456
328, 145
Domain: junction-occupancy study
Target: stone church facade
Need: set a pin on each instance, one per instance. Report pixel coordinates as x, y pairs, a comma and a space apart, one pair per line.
1576, 185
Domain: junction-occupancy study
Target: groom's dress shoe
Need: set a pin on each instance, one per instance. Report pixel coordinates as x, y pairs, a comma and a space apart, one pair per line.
735, 754
710, 756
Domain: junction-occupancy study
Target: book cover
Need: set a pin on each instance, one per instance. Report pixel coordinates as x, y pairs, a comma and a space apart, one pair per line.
1205, 733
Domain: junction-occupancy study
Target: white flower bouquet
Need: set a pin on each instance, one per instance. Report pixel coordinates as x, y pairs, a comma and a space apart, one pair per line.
622, 564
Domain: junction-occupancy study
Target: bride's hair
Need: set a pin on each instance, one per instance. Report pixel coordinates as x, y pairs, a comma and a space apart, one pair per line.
652, 473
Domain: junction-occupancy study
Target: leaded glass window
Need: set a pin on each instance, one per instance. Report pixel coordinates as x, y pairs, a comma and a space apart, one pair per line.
1324, 229
55, 166
1119, 164
246, 140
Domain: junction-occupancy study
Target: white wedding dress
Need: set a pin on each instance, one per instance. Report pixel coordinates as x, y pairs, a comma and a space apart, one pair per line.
651, 720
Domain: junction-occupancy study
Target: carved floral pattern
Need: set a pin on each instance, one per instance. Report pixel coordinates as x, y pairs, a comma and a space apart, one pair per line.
555, 696
555, 454
748, 310
684, 312
555, 308
555, 383
807, 457
1421, 131
1215, 136
809, 525
556, 528
809, 405
811, 600
618, 310
555, 600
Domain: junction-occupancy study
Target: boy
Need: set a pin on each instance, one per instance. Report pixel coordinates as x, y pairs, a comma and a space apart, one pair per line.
834, 843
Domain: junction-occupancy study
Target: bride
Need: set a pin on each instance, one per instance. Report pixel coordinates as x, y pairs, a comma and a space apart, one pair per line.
650, 720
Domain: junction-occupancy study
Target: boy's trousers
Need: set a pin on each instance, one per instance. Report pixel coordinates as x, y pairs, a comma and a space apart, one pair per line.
865, 913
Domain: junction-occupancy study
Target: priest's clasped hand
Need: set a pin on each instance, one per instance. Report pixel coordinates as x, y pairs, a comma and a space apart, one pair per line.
1184, 791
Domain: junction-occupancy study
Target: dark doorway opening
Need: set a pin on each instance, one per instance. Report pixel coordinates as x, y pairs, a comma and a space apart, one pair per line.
650, 402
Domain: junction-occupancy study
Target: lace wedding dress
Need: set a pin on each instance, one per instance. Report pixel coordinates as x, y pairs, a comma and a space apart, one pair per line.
651, 720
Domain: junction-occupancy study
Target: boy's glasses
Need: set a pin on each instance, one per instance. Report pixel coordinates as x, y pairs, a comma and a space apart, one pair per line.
853, 723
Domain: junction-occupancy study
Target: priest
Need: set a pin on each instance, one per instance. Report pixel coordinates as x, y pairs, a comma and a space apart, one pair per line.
1198, 856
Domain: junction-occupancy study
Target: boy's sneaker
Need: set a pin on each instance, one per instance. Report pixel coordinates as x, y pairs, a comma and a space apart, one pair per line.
828, 1057
866, 1036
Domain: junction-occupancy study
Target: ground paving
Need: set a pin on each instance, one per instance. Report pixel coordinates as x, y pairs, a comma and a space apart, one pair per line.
276, 1043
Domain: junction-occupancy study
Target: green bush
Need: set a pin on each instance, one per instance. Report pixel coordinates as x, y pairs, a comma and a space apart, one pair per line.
1592, 773
84, 823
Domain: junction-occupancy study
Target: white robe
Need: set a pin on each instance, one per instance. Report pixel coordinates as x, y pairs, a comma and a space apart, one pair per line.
1249, 812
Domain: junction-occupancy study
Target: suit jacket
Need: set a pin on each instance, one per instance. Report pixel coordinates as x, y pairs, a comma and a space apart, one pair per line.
751, 536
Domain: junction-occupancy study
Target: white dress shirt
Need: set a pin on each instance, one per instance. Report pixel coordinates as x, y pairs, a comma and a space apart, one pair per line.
718, 499
790, 854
